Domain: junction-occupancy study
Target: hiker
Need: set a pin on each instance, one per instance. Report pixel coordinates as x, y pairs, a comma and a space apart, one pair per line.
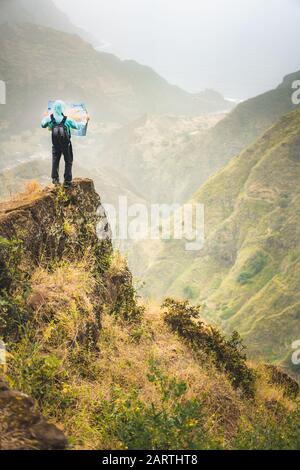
61, 126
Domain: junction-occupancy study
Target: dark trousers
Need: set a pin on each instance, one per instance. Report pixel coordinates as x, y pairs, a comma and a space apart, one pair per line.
67, 152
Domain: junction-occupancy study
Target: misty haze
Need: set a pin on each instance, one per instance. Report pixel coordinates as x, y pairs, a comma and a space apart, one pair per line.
238, 48
149, 226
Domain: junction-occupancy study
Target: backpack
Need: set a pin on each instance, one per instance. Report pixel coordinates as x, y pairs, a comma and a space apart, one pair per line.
60, 132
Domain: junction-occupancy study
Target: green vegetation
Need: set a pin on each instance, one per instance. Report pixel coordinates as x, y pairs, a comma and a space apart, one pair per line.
120, 393
117, 375
254, 267
190, 292
109, 371
14, 289
157, 163
226, 355
175, 422
247, 275
125, 304
266, 433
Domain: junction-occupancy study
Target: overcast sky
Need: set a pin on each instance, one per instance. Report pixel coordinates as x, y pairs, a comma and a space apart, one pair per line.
239, 47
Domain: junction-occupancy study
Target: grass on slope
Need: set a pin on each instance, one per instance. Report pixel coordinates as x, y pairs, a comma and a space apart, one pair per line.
247, 272
240, 128
140, 386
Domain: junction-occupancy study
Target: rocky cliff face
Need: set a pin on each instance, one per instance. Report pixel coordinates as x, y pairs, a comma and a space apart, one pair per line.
57, 277
53, 224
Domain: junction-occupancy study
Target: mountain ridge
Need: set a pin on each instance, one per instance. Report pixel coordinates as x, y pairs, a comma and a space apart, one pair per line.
169, 164
114, 90
239, 129
251, 240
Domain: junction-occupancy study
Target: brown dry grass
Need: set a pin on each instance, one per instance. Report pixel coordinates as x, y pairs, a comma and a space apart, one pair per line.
124, 361
126, 352
266, 392
32, 190
118, 264
63, 298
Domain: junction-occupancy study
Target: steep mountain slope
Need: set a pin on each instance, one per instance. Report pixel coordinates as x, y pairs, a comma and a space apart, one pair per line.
248, 272
167, 158
102, 367
149, 152
249, 120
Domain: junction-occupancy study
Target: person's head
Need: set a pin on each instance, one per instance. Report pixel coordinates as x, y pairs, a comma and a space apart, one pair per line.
59, 107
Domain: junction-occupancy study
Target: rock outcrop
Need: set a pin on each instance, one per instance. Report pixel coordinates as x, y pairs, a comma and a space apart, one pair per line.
22, 427
56, 271
53, 223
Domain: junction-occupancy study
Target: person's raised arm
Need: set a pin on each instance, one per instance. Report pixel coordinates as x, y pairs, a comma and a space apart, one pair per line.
73, 124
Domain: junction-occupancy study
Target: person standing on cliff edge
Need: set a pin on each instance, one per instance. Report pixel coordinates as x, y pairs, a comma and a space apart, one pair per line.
61, 126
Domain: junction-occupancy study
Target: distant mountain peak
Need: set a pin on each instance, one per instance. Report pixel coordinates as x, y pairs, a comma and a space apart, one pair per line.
44, 13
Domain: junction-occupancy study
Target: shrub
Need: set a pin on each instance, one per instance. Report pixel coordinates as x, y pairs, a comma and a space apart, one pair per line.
65, 304
14, 288
190, 292
39, 374
10, 273
176, 422
254, 267
184, 319
289, 385
124, 297
264, 432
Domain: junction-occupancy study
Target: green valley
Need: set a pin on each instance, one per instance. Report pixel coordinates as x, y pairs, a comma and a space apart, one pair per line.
246, 276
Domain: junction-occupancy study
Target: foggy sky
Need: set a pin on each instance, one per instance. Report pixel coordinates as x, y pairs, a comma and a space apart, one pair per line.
239, 47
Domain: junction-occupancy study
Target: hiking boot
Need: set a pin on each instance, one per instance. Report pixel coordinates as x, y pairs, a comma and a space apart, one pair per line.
68, 184
55, 182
